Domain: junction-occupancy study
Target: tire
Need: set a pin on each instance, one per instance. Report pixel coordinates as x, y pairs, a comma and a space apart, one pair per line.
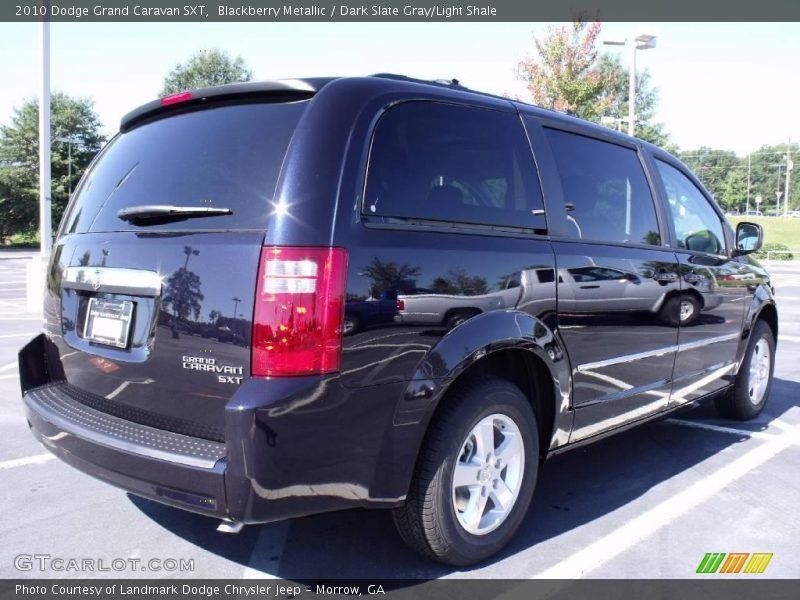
349, 325
434, 520
680, 310
457, 320
688, 309
750, 391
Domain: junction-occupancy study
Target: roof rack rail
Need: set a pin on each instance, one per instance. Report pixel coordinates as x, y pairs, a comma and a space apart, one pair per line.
450, 83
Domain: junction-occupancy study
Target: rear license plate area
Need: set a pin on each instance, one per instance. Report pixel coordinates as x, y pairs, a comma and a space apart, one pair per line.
108, 322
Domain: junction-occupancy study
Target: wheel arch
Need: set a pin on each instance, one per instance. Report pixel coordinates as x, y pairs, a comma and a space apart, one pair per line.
510, 344
769, 313
762, 307
527, 371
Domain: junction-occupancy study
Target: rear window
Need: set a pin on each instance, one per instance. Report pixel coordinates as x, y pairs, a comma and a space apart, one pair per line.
442, 162
226, 157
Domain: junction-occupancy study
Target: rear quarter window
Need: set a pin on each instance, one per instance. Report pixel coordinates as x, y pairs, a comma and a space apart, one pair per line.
456, 164
606, 193
227, 157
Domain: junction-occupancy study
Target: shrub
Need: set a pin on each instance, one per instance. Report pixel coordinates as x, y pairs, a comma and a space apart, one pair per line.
762, 254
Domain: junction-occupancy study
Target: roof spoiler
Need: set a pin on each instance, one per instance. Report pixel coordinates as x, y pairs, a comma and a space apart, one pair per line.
301, 88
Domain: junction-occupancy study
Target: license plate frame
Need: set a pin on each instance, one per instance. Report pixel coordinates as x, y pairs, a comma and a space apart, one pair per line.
108, 322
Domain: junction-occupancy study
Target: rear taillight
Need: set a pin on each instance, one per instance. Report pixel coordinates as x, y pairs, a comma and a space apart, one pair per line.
297, 329
400, 304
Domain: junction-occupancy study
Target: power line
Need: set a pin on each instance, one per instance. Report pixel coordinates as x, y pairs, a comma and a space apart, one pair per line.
731, 153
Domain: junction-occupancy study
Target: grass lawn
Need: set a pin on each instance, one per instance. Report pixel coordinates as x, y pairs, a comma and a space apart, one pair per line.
781, 230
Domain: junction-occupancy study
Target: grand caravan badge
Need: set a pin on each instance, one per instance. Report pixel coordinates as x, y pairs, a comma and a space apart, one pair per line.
225, 373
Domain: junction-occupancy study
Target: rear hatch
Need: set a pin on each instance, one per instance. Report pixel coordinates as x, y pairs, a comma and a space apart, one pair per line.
151, 307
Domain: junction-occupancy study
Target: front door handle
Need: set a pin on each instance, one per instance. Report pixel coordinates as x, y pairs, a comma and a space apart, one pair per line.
694, 278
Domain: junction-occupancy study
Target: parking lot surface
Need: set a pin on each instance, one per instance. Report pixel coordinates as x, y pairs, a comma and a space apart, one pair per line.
648, 503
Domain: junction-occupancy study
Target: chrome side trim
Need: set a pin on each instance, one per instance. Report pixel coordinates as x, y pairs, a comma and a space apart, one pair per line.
707, 341
656, 352
135, 282
625, 359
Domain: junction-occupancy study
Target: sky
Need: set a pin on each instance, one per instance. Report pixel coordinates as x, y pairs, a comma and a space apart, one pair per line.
724, 85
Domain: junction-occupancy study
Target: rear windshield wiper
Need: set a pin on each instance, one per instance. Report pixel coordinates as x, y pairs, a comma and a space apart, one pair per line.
163, 213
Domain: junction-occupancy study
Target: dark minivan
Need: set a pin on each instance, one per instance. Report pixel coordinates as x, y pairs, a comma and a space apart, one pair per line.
269, 300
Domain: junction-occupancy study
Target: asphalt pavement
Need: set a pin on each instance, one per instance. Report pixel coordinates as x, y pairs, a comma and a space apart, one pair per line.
648, 503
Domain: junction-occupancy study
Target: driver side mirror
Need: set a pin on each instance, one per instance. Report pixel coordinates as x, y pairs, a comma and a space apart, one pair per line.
749, 237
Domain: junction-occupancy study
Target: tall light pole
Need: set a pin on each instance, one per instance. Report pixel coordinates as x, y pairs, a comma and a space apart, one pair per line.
789, 167
34, 271
643, 41
747, 210
45, 230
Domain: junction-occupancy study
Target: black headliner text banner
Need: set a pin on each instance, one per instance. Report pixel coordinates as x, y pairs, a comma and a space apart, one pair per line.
266, 11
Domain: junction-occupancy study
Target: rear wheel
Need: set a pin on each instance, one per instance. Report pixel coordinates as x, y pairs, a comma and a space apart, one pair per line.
475, 475
751, 389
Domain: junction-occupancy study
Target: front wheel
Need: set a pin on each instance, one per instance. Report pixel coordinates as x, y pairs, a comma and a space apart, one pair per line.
748, 396
475, 475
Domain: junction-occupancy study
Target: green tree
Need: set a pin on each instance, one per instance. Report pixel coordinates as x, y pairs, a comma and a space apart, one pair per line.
615, 99
734, 190
387, 276
71, 118
713, 167
459, 283
183, 293
564, 73
18, 201
206, 68
768, 175
567, 73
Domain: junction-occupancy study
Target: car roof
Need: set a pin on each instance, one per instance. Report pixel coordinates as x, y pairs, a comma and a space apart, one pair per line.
308, 86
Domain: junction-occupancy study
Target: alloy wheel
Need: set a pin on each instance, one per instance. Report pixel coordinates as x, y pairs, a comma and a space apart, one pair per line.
488, 475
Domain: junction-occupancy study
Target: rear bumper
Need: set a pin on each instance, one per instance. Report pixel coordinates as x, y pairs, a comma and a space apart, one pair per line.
168, 467
291, 446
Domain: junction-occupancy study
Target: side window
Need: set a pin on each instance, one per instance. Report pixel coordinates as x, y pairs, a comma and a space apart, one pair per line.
444, 162
605, 190
697, 225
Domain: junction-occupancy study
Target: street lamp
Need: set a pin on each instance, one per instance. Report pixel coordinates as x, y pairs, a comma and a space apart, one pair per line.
45, 200
643, 41
789, 168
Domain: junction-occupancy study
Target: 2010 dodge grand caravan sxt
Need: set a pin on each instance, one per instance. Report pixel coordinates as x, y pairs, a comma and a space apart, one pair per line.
268, 300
